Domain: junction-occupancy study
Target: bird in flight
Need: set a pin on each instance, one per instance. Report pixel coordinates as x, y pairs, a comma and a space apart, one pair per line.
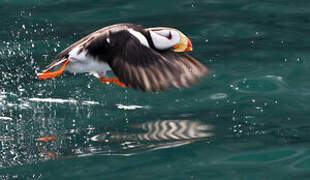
142, 58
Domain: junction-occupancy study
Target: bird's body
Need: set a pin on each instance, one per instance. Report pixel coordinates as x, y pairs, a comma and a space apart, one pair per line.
84, 62
149, 59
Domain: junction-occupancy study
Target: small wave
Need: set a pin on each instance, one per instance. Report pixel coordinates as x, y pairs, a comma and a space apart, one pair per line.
277, 78
218, 96
53, 100
90, 102
131, 107
5, 118
57, 100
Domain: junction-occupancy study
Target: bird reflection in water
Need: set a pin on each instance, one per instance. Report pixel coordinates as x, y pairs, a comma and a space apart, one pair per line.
141, 138
159, 134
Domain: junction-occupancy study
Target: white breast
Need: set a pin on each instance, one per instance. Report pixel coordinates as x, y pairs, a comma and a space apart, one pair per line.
83, 62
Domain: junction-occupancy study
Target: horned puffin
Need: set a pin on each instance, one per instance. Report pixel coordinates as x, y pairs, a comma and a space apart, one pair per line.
142, 58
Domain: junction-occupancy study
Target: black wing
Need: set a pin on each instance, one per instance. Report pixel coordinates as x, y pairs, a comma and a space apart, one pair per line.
141, 67
85, 41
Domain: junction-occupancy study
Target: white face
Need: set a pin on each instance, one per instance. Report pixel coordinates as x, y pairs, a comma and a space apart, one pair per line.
165, 39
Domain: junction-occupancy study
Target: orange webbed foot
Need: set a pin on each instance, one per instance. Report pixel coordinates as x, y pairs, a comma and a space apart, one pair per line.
113, 80
51, 74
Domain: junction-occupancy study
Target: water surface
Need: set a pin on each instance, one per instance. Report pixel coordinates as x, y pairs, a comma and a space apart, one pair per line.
249, 116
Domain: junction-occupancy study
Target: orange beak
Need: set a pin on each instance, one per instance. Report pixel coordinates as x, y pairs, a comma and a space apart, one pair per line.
189, 45
51, 74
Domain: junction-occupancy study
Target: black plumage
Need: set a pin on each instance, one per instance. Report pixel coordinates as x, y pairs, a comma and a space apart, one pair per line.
135, 64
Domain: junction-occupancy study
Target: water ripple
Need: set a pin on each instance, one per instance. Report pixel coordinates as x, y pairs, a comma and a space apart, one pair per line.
268, 83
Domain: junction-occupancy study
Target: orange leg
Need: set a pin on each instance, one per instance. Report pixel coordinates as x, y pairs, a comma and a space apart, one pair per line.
113, 80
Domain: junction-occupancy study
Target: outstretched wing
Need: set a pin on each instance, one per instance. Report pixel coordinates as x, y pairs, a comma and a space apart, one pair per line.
84, 42
142, 67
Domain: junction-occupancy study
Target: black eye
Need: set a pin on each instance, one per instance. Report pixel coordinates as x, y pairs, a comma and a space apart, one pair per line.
169, 36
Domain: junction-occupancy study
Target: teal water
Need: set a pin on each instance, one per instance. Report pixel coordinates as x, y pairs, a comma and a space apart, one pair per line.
250, 116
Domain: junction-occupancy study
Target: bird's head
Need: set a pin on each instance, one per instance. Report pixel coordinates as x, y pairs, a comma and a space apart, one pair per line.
165, 38
184, 44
